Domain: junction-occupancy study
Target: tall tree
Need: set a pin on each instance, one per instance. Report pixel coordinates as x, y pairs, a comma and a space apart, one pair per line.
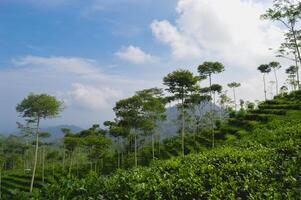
215, 89
196, 104
95, 141
130, 114
154, 107
292, 72
207, 69
180, 84
224, 100
119, 132
275, 66
264, 69
288, 13
288, 51
234, 85
43, 135
71, 142
34, 108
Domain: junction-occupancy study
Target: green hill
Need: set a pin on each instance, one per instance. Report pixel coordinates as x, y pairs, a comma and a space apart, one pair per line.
259, 157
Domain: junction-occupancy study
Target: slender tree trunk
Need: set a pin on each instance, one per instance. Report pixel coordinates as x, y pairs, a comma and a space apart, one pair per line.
276, 80
294, 84
118, 153
211, 113
298, 53
221, 111
24, 164
183, 128
43, 164
121, 152
159, 145
64, 158
197, 126
297, 67
71, 162
136, 161
153, 146
36, 155
234, 96
264, 87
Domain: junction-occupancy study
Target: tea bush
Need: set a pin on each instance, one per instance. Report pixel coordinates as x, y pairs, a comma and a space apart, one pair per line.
262, 165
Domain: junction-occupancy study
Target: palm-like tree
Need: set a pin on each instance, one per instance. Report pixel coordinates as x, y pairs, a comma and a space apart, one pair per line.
207, 69
234, 85
181, 83
292, 71
264, 69
275, 66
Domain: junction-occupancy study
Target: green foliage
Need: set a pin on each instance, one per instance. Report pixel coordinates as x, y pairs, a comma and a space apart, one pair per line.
264, 69
259, 163
275, 65
209, 68
292, 70
234, 85
180, 83
252, 170
36, 106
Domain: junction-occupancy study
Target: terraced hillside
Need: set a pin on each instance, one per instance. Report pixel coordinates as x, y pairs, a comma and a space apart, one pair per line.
280, 107
263, 162
13, 182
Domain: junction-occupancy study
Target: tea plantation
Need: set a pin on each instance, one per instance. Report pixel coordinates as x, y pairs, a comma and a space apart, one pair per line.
258, 157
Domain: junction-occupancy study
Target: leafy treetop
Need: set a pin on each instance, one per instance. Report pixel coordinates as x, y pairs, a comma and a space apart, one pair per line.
264, 68
209, 68
275, 65
234, 85
180, 83
37, 106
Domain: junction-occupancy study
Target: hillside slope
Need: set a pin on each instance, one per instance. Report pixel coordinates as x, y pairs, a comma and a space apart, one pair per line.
262, 163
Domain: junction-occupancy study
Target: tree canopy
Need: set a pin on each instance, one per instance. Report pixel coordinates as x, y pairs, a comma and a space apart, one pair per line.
36, 106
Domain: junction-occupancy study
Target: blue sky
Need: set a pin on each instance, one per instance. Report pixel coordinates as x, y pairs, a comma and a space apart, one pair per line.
77, 29
92, 53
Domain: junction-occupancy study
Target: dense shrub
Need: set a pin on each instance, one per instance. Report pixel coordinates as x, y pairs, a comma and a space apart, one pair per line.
263, 118
269, 111
281, 106
262, 165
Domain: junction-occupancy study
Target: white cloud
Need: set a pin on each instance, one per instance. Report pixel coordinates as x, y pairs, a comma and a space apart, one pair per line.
91, 97
182, 46
89, 93
78, 66
85, 68
230, 31
135, 55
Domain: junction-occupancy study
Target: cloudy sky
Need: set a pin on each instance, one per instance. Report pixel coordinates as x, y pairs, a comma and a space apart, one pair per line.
92, 53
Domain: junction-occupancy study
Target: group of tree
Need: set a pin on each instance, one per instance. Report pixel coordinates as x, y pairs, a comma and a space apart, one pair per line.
136, 121
288, 14
133, 130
